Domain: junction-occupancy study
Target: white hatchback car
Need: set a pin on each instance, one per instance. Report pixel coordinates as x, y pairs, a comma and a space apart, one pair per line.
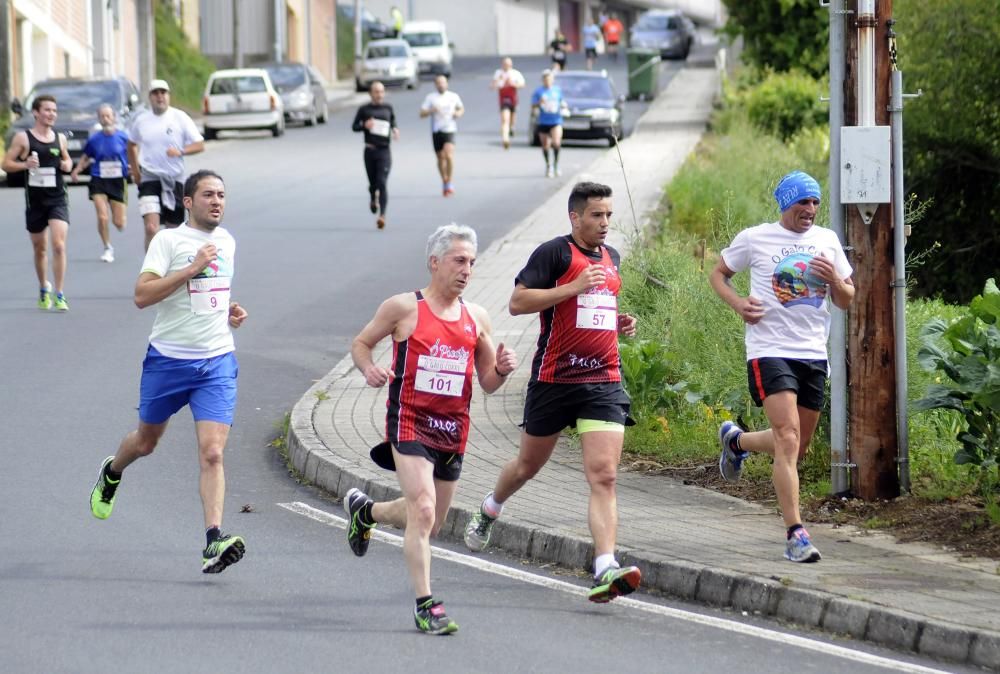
242, 99
389, 62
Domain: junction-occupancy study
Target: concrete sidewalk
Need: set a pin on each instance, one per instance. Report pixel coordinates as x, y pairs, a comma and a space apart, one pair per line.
909, 597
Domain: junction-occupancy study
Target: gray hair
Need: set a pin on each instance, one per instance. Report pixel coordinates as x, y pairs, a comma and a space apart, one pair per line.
441, 240
108, 106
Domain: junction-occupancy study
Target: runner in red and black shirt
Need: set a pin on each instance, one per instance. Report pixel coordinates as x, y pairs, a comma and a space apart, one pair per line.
438, 342
572, 282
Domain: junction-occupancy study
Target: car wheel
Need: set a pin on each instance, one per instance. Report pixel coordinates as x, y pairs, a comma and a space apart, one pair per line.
278, 129
612, 140
326, 113
412, 84
311, 121
534, 137
210, 134
358, 86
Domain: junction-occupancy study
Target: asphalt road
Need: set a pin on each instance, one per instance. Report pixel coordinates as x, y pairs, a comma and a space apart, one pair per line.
126, 594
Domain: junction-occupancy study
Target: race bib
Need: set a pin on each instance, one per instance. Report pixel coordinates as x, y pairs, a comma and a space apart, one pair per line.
549, 105
559, 55
440, 376
111, 169
209, 295
380, 127
597, 312
43, 176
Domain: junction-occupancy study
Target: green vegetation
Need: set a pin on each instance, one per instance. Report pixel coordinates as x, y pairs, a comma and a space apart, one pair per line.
345, 46
782, 34
692, 343
179, 62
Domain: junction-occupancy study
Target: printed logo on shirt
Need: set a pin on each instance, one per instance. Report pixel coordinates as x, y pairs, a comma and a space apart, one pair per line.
584, 362
794, 284
221, 267
439, 350
447, 425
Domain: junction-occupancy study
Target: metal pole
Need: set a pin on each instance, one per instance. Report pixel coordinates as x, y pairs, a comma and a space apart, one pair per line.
545, 37
237, 47
309, 33
357, 40
899, 264
147, 49
278, 27
839, 481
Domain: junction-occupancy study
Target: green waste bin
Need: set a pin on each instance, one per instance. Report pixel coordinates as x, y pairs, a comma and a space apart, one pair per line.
643, 73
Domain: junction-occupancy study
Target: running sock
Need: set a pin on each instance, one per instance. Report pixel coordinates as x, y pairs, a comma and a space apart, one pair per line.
110, 475
555, 156
603, 562
734, 443
366, 514
545, 153
491, 507
792, 529
212, 534
423, 600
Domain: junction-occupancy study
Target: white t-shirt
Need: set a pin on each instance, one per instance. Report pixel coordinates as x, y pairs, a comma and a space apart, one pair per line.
443, 118
508, 78
193, 321
796, 320
154, 134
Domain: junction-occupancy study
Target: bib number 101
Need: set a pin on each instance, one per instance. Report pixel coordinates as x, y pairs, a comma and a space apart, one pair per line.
439, 383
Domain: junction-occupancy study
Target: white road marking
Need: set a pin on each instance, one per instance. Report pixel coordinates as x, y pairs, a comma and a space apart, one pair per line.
677, 614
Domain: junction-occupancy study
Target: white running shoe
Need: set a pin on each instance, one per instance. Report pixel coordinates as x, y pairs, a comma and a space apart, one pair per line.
548, 172
108, 255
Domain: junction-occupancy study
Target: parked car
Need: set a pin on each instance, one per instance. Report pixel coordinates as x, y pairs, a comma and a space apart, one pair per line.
668, 30
595, 107
429, 40
391, 62
241, 99
372, 28
77, 101
302, 90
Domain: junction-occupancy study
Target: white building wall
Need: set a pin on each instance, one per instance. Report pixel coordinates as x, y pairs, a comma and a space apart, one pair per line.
522, 27
472, 24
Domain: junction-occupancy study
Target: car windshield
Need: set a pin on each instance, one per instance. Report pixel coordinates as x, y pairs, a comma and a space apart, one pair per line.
286, 78
249, 84
658, 23
79, 96
585, 87
423, 39
387, 51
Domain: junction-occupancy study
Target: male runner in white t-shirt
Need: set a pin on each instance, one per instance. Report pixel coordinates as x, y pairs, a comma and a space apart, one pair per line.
794, 267
187, 274
159, 139
443, 107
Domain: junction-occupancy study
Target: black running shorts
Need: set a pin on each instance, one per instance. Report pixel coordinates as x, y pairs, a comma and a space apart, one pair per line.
447, 465
115, 189
38, 214
440, 138
807, 378
549, 408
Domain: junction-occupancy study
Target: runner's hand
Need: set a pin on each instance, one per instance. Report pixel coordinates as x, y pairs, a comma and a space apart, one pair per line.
626, 325
174, 152
751, 310
506, 360
822, 268
237, 315
376, 376
369, 123
206, 255
592, 277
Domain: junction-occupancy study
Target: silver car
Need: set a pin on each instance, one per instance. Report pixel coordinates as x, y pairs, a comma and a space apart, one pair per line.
665, 30
302, 90
389, 62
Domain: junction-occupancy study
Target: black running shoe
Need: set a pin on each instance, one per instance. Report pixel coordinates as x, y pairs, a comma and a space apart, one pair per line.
373, 205
358, 533
431, 618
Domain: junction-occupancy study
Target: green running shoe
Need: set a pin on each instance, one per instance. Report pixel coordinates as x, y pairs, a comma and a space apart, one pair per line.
359, 534
102, 498
60, 303
222, 552
615, 582
431, 618
477, 532
45, 298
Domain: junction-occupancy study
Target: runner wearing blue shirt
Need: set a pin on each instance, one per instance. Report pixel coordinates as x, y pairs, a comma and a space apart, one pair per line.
549, 102
106, 155
591, 37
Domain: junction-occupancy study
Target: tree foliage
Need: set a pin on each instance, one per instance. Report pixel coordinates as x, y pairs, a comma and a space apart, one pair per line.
178, 61
781, 34
952, 151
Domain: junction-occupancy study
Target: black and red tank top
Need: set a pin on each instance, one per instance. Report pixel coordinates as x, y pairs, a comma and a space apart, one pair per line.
578, 342
46, 182
432, 381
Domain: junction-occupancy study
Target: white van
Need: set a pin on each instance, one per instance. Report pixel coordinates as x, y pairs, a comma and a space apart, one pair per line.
429, 41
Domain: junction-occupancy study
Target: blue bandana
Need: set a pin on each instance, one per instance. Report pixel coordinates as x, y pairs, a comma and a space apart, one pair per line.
794, 187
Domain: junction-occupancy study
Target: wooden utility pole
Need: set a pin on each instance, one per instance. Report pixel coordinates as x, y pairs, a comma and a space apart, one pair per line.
870, 346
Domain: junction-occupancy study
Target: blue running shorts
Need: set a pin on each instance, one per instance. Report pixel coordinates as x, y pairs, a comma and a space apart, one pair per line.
208, 385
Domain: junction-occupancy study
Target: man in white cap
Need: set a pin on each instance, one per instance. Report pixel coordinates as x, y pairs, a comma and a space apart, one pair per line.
159, 138
795, 268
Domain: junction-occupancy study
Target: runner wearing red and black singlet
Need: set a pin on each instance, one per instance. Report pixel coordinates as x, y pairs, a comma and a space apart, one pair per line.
432, 382
506, 81
438, 341
572, 282
578, 340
